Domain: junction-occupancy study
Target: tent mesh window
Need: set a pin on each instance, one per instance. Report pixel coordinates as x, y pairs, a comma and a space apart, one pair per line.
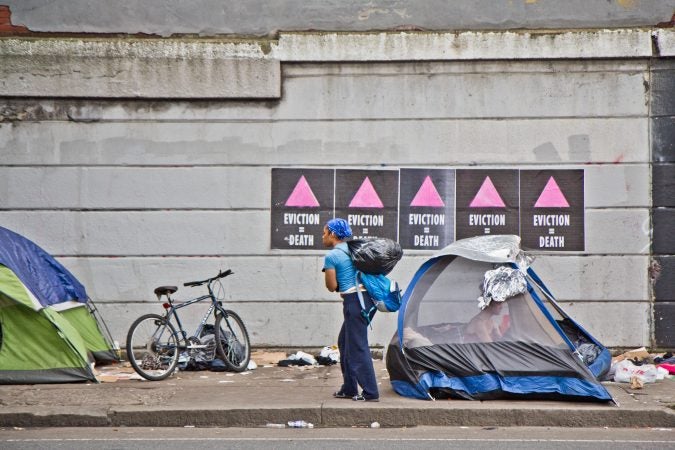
587, 347
443, 309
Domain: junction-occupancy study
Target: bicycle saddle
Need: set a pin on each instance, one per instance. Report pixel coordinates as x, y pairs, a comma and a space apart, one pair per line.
165, 290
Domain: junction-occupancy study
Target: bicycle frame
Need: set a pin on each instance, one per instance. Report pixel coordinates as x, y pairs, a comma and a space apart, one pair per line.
172, 311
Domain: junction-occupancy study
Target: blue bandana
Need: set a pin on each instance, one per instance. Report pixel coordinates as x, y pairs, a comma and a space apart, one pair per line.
340, 228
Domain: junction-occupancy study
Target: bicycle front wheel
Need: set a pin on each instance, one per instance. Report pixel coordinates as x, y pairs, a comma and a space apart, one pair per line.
232, 343
152, 347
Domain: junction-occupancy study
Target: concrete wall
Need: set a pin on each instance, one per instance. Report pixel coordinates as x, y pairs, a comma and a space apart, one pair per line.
662, 269
267, 17
132, 194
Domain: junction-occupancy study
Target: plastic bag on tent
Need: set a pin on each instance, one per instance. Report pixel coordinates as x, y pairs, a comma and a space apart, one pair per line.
376, 256
500, 284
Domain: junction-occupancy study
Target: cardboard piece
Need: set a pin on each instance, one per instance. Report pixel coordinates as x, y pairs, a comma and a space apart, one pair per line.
639, 353
262, 357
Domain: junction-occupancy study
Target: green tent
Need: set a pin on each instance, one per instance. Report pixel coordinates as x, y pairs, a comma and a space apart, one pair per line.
49, 332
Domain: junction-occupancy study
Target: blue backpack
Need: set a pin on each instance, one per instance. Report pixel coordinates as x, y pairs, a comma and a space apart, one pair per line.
384, 293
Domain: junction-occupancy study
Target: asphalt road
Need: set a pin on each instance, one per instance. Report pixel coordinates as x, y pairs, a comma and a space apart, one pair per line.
338, 438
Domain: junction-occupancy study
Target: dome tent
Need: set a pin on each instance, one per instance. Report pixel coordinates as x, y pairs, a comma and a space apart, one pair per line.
523, 347
48, 326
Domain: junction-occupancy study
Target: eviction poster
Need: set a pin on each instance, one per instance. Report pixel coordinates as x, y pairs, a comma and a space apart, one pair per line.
368, 200
552, 209
427, 208
302, 202
487, 202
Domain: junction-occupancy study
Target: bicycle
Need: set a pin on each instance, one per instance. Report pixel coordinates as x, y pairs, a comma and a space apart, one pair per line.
154, 347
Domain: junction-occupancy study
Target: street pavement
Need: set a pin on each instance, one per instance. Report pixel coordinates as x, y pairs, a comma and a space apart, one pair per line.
271, 396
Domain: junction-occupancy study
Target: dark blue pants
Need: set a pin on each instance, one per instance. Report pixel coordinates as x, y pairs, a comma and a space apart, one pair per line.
355, 359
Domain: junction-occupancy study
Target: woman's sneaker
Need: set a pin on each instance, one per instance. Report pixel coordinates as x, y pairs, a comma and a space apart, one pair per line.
340, 394
361, 398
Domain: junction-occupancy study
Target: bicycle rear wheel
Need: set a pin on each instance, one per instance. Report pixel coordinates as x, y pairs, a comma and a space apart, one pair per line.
152, 347
232, 343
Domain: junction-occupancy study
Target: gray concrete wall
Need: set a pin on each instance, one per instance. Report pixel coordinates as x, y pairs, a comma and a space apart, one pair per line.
267, 17
132, 194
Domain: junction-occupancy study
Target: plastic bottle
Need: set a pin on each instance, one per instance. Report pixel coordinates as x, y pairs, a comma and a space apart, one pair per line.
299, 424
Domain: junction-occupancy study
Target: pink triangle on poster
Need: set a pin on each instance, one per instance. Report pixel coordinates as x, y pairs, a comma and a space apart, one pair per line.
302, 195
487, 196
552, 196
427, 195
366, 197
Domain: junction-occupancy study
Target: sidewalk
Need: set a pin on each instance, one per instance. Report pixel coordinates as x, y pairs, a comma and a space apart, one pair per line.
276, 395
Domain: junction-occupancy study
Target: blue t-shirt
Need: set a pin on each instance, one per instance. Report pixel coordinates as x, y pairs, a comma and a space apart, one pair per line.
345, 271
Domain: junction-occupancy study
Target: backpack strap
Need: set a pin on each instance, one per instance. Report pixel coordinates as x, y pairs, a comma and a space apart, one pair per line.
346, 252
365, 313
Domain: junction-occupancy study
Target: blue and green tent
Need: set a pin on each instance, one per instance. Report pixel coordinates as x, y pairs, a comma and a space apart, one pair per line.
49, 328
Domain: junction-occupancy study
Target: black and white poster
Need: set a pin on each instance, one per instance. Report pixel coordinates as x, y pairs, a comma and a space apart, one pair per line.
427, 208
487, 202
552, 209
368, 200
302, 202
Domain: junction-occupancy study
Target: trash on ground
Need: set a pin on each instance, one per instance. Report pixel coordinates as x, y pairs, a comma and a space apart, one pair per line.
116, 372
328, 356
639, 367
298, 359
300, 424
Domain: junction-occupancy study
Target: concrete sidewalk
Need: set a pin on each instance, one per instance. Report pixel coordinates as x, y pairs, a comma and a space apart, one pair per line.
276, 395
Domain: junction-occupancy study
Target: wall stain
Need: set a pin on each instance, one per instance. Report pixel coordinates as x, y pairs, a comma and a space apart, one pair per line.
628, 4
546, 152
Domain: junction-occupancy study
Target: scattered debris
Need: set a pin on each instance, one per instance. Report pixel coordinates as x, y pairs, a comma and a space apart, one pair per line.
639, 367
298, 359
300, 424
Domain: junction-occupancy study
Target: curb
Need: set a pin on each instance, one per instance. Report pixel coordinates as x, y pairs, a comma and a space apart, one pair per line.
344, 417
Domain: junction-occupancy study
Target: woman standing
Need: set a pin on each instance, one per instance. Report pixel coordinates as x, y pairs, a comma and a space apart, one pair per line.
355, 359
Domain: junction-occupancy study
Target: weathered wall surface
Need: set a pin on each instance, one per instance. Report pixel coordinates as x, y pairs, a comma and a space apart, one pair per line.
663, 180
265, 17
135, 193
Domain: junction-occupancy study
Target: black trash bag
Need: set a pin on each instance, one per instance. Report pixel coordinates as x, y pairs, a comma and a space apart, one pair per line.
376, 256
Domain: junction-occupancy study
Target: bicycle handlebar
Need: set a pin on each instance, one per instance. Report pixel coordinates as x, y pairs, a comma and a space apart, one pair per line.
208, 280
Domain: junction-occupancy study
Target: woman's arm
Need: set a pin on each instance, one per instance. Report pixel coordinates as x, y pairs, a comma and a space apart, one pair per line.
331, 280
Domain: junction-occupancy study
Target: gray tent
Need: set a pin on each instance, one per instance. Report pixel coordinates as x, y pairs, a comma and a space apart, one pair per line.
525, 346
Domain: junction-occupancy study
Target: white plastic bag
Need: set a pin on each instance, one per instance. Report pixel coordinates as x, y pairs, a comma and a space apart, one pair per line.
331, 352
305, 357
625, 370
661, 373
